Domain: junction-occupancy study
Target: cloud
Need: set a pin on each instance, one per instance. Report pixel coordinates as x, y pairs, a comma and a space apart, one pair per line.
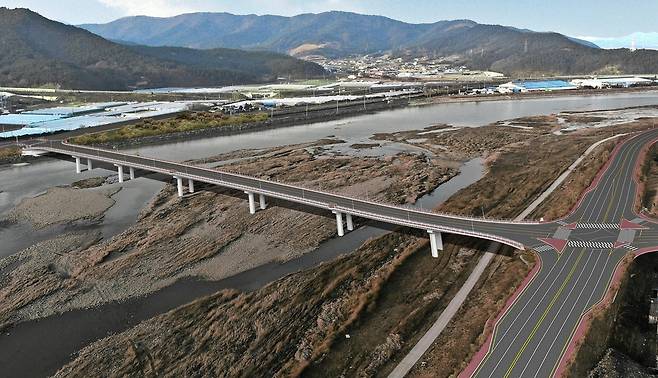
155, 8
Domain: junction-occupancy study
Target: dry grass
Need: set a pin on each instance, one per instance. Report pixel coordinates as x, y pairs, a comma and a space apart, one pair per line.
9, 152
382, 295
650, 179
517, 176
464, 337
564, 197
182, 123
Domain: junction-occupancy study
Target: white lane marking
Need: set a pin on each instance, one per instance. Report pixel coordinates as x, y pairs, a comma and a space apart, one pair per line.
598, 226
575, 283
582, 290
541, 300
590, 244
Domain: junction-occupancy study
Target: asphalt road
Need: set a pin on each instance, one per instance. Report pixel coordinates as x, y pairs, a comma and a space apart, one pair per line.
579, 254
531, 338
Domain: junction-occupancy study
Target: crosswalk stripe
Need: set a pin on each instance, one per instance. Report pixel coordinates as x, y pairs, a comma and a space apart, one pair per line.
590, 244
609, 226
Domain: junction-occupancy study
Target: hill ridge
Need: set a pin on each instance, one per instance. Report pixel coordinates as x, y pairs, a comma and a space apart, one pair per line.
39, 51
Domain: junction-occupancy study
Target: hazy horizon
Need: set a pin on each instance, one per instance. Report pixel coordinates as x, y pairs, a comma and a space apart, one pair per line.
593, 19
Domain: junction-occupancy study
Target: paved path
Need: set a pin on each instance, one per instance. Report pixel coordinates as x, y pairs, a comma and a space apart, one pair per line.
577, 262
531, 338
408, 362
446, 316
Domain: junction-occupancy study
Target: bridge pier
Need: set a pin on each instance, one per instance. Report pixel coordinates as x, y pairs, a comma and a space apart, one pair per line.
179, 185
350, 225
190, 185
263, 204
89, 167
78, 168
120, 172
339, 223
436, 242
131, 170
252, 202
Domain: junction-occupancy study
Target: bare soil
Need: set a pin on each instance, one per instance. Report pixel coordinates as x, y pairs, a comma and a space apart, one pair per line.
63, 205
299, 324
210, 234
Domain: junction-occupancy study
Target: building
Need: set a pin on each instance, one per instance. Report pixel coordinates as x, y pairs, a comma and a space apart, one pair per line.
535, 86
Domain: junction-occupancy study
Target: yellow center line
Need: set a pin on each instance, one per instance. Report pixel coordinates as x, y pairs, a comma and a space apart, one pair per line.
543, 317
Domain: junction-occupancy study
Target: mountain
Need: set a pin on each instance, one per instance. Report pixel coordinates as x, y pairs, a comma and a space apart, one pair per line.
638, 40
334, 32
37, 51
516, 52
584, 42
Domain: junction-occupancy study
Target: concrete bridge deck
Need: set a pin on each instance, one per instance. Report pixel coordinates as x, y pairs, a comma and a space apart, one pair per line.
513, 233
580, 255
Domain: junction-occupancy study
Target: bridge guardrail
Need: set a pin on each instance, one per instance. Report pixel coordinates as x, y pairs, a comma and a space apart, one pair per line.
374, 202
329, 206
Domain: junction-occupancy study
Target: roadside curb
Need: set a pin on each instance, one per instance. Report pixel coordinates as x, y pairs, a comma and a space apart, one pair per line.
484, 350
585, 319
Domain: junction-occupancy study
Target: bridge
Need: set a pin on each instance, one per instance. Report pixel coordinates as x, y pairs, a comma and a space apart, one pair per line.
343, 207
579, 255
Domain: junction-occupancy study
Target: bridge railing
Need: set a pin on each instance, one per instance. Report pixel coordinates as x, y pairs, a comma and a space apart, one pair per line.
86, 149
124, 160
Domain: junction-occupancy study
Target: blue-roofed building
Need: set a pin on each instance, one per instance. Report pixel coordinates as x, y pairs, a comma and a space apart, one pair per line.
534, 86
26, 119
546, 85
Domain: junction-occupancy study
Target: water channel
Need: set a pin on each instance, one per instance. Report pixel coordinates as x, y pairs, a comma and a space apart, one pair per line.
39, 348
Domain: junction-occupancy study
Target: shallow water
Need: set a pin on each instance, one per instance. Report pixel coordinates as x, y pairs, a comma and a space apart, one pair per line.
39, 348
359, 129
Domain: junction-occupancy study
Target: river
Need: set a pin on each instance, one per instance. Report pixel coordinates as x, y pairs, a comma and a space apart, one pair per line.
39, 348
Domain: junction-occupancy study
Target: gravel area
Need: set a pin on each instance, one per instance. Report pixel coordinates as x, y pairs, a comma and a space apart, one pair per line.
61, 205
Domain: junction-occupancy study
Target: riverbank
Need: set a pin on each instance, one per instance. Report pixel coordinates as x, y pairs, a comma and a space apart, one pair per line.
315, 340
534, 95
188, 122
164, 210
155, 252
286, 117
63, 205
205, 124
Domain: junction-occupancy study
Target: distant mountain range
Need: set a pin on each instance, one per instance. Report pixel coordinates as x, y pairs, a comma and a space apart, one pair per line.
510, 50
37, 52
638, 40
330, 33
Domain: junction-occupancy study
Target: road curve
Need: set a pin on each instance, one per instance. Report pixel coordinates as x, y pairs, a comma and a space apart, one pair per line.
579, 254
530, 339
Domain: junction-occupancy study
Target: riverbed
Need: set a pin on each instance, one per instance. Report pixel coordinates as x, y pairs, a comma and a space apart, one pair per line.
39, 348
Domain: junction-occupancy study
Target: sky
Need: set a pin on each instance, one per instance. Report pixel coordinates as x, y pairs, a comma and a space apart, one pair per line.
602, 18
